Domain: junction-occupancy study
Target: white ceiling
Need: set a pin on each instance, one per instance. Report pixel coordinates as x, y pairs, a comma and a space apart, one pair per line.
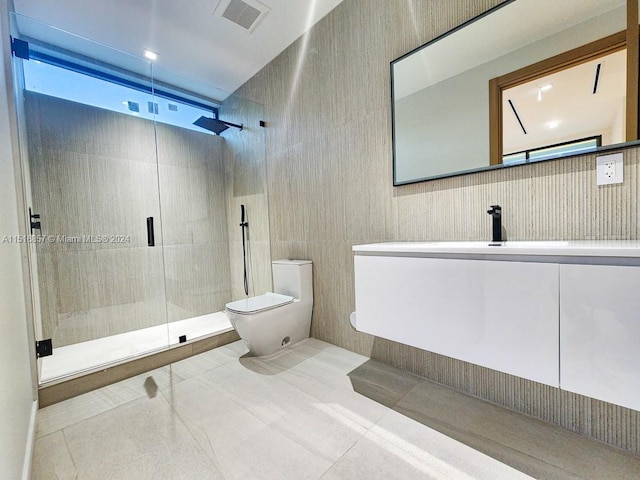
212, 54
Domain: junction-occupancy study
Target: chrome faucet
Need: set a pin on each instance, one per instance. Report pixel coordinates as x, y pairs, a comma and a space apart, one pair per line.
496, 215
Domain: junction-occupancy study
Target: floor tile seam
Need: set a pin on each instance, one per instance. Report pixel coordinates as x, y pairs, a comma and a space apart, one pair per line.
110, 409
289, 436
523, 415
93, 415
214, 460
113, 404
277, 369
516, 414
73, 460
218, 389
441, 473
188, 426
333, 389
273, 423
199, 374
321, 400
485, 440
320, 365
342, 456
301, 373
328, 366
418, 382
488, 404
320, 351
203, 375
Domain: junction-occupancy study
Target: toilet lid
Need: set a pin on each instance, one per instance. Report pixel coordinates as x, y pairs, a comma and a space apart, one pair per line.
258, 304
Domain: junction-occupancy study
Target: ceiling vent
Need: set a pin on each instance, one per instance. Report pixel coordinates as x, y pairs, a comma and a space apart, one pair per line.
244, 13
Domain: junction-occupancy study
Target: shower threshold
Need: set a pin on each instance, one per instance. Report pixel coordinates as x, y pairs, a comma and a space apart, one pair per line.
82, 358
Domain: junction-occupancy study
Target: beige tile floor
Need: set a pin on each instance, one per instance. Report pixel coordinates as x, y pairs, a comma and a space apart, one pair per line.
314, 411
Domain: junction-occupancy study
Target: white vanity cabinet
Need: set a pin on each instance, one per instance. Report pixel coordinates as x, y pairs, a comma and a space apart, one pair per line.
566, 314
600, 332
501, 315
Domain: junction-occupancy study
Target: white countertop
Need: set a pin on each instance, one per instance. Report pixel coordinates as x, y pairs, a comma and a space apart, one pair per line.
593, 248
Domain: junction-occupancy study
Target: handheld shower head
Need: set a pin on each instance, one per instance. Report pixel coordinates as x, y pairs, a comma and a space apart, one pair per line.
243, 222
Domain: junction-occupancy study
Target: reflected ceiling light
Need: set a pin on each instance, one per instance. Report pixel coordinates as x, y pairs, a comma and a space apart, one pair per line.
553, 124
150, 55
544, 88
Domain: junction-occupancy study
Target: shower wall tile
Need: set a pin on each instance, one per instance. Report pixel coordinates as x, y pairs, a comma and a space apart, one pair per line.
91, 294
182, 147
123, 194
63, 210
180, 216
191, 175
74, 127
258, 268
128, 276
94, 173
246, 184
329, 175
195, 275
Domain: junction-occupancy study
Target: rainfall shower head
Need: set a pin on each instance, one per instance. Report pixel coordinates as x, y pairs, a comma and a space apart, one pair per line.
214, 125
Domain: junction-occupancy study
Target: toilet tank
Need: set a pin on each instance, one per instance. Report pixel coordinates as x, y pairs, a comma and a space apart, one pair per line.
293, 277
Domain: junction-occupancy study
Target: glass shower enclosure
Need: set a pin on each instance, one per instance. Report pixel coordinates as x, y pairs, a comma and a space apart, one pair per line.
130, 251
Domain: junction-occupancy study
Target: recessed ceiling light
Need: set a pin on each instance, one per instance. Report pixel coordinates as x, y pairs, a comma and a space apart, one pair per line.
553, 124
150, 55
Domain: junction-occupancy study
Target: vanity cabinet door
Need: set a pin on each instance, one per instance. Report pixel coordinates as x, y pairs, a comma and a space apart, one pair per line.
499, 314
600, 332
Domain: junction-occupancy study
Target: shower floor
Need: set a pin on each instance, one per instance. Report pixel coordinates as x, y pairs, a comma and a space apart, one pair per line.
83, 357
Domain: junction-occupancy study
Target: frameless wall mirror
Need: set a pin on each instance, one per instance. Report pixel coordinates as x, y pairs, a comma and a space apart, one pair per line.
450, 106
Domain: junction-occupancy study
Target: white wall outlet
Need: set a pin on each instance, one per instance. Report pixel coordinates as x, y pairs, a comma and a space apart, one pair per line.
609, 169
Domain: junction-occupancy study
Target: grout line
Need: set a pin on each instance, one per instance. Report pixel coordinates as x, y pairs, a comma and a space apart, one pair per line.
187, 426
66, 444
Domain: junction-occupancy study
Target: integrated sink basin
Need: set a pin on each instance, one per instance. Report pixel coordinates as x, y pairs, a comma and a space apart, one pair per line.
595, 248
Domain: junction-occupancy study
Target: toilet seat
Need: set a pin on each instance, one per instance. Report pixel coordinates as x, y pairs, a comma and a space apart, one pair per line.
248, 306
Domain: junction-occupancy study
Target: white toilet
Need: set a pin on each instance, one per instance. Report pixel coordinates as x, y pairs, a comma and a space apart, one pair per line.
272, 321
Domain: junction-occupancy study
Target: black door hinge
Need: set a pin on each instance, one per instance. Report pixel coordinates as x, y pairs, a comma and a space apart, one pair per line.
44, 348
20, 48
34, 219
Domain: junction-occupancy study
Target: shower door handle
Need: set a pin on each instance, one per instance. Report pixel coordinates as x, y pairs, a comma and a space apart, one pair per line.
151, 240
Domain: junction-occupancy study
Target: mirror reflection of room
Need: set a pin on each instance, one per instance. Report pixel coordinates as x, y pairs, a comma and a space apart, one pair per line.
571, 111
448, 115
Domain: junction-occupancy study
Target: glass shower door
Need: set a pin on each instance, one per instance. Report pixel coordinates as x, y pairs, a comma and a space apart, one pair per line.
191, 172
93, 179
206, 173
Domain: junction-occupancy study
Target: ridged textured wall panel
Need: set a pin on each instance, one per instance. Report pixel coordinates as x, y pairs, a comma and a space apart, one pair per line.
329, 169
